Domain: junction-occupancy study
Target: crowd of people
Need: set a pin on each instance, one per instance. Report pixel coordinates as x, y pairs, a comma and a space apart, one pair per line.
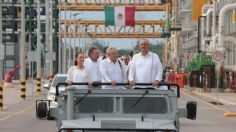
143, 67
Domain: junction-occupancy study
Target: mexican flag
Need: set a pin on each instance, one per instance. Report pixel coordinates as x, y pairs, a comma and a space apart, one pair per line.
120, 15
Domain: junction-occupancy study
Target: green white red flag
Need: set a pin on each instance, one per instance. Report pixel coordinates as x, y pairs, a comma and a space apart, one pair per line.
120, 15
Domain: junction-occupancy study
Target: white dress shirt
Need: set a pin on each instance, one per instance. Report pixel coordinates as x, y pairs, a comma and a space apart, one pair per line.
112, 71
94, 69
79, 75
145, 69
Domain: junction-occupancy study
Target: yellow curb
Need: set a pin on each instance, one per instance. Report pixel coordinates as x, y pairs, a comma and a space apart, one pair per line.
230, 114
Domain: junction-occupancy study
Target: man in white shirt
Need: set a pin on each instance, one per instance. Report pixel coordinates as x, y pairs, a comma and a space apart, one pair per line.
145, 67
112, 70
93, 63
126, 59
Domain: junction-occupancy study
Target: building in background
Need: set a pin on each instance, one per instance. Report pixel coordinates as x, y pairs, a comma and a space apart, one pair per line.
198, 38
11, 24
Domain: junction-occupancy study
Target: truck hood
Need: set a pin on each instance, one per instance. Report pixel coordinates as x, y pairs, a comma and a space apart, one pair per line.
126, 124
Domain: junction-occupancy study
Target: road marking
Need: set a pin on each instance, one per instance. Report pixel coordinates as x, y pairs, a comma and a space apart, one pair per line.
205, 102
230, 114
17, 113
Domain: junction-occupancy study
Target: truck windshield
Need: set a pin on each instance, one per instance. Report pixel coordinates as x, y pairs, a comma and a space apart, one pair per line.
148, 105
58, 80
95, 105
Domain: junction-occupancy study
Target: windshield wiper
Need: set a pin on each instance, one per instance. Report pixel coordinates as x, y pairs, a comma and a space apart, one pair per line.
140, 98
79, 101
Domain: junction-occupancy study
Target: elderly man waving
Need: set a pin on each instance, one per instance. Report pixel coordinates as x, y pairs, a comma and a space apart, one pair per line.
145, 66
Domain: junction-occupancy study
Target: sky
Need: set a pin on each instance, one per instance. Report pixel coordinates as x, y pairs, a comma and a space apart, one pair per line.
100, 15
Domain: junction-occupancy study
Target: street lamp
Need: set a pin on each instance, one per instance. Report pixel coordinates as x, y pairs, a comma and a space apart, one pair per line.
75, 36
74, 32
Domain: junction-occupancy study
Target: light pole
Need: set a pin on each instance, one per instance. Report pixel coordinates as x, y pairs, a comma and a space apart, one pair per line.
64, 62
47, 61
1, 45
22, 52
38, 86
87, 43
83, 40
51, 40
70, 58
59, 47
74, 33
74, 37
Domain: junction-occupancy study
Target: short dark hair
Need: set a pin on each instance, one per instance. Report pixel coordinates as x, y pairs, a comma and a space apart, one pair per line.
131, 53
91, 51
105, 50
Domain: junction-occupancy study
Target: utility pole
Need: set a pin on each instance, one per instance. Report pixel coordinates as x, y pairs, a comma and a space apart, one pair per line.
1, 60
59, 49
1, 45
70, 37
47, 38
76, 25
64, 62
38, 86
22, 52
51, 40
74, 34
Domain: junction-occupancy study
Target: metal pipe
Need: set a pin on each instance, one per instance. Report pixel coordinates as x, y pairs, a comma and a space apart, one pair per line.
221, 45
214, 24
222, 15
230, 39
203, 33
205, 7
230, 67
209, 22
199, 33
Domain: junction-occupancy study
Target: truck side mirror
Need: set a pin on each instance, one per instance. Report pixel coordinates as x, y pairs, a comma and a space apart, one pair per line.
46, 86
191, 110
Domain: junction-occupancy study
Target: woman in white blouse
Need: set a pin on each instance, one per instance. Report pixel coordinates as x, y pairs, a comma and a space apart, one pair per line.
79, 73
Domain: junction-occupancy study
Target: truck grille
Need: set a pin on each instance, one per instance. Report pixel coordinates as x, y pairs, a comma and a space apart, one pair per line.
126, 124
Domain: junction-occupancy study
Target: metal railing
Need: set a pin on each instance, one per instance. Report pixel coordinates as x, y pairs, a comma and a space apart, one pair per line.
121, 84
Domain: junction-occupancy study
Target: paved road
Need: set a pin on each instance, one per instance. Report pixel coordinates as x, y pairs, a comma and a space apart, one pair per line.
210, 119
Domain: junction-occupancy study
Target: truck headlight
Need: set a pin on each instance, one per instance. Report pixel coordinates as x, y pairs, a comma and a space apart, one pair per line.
52, 97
